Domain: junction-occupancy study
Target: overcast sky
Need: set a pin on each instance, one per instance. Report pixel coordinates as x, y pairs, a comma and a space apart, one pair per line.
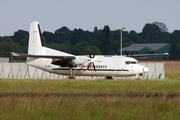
86, 14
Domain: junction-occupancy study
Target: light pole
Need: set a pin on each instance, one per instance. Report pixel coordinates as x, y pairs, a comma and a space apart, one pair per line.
120, 37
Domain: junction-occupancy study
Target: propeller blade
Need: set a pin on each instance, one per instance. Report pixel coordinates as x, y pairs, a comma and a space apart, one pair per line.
95, 53
89, 53
94, 67
126, 53
88, 66
132, 53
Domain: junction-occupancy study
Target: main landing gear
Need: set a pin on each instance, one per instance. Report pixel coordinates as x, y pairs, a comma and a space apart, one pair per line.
72, 75
109, 77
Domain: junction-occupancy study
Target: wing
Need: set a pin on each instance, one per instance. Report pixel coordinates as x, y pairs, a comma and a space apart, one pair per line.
43, 56
149, 55
64, 61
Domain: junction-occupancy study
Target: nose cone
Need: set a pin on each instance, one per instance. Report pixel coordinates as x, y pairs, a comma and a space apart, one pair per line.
145, 69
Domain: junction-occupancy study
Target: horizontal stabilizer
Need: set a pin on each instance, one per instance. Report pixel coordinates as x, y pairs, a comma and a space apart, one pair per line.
149, 55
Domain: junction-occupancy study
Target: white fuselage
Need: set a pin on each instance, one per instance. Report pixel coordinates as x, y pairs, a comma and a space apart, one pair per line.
113, 66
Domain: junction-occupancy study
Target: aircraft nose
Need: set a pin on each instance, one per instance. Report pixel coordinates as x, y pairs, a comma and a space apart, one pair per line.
145, 69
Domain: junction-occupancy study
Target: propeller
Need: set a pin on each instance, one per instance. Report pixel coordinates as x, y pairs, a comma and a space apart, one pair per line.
92, 60
127, 53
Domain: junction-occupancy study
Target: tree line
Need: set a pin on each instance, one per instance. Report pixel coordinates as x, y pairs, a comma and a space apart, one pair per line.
106, 41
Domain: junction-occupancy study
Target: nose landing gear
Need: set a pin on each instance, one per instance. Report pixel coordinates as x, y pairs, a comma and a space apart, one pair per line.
139, 76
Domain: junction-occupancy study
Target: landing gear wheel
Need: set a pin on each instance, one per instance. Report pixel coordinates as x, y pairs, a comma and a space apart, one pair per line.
71, 77
109, 77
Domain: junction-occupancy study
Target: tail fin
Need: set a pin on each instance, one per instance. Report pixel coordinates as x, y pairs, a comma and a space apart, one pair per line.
36, 44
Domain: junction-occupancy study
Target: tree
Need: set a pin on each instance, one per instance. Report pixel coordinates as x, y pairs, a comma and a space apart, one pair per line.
63, 29
21, 37
82, 47
105, 41
77, 36
20, 32
8, 46
174, 51
175, 36
152, 33
93, 49
50, 37
133, 36
0, 39
95, 29
162, 26
94, 42
62, 35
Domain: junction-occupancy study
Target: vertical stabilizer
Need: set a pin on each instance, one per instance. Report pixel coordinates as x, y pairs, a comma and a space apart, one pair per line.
36, 45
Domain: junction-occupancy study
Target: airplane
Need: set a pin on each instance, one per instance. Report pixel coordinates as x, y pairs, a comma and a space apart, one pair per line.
62, 63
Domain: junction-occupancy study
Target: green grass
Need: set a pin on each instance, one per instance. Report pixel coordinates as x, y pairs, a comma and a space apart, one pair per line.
86, 106
90, 87
172, 75
89, 108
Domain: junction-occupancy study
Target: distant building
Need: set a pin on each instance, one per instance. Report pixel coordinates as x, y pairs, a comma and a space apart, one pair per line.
150, 48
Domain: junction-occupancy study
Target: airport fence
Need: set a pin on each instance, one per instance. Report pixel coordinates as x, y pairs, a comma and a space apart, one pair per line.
23, 71
173, 66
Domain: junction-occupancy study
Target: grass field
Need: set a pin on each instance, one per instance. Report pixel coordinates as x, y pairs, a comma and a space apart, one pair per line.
172, 75
90, 87
89, 108
90, 99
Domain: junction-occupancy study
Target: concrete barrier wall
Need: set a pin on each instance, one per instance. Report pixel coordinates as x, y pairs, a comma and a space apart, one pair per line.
23, 71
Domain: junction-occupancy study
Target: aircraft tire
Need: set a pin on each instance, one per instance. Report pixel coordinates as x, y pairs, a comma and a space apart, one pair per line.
109, 77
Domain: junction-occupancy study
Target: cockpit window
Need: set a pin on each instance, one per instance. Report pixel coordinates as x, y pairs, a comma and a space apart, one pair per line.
127, 62
130, 62
133, 62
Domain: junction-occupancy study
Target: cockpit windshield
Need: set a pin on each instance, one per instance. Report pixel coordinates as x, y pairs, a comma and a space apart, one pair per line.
131, 62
